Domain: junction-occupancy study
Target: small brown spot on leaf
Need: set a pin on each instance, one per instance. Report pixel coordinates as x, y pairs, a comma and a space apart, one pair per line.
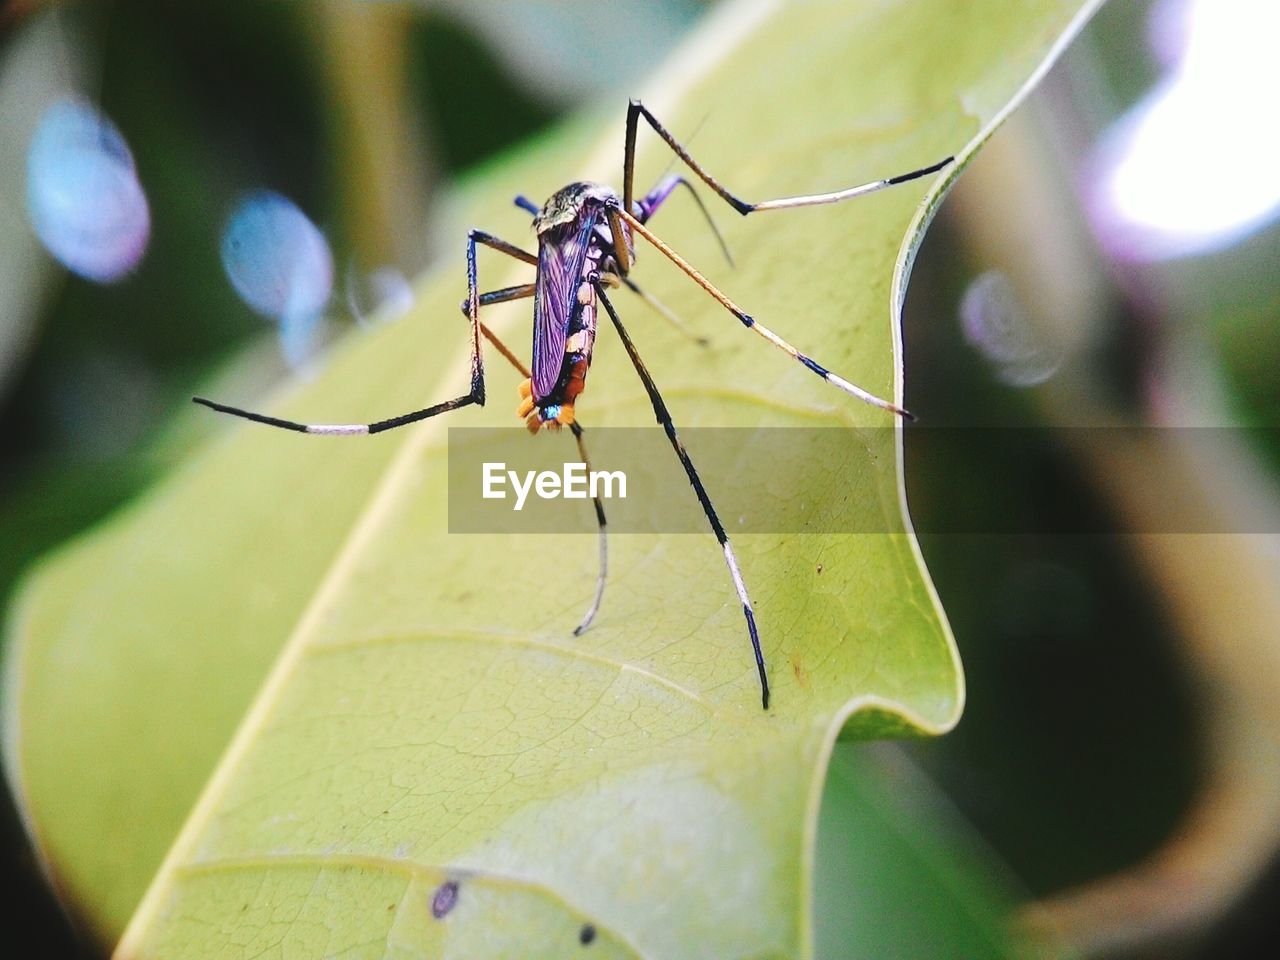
797, 667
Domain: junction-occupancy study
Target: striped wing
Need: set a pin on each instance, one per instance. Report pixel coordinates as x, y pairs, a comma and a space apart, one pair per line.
561, 255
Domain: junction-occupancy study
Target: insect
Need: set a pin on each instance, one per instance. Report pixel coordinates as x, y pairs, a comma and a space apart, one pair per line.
586, 243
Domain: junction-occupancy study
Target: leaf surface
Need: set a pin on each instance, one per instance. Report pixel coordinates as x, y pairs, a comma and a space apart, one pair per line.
427, 718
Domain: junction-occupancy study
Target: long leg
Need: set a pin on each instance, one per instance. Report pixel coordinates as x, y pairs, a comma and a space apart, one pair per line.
636, 110
664, 418
603, 572
750, 322
619, 248
474, 395
517, 293
648, 205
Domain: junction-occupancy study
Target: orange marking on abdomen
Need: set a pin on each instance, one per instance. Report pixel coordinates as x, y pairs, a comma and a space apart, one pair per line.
577, 382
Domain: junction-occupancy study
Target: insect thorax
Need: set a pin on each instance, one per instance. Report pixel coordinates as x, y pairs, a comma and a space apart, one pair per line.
566, 204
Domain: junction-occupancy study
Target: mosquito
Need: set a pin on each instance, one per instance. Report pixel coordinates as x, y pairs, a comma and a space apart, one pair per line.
586, 243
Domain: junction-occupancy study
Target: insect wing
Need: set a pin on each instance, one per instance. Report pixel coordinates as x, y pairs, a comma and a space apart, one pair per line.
561, 255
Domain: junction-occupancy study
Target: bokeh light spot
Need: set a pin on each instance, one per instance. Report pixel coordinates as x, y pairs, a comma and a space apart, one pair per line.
83, 194
997, 325
379, 296
280, 264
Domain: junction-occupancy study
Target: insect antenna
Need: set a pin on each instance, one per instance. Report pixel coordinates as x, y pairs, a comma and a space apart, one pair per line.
693, 135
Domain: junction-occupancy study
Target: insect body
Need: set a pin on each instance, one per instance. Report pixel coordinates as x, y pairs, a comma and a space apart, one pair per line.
586, 242
574, 253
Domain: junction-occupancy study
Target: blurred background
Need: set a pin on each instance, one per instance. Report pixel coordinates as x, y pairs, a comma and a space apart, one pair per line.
1108, 260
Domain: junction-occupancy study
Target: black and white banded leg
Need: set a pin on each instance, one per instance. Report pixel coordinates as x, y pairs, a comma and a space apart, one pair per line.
752, 324
470, 309
636, 213
473, 396
520, 292
636, 110
664, 418
602, 574
622, 278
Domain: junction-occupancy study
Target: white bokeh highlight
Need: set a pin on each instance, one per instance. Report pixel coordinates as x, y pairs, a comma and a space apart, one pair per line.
1188, 170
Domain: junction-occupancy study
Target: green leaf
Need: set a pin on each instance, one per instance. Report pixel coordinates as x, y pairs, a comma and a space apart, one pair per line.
898, 874
426, 714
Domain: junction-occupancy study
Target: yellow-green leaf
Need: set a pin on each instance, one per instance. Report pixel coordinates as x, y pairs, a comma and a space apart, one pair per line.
426, 716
